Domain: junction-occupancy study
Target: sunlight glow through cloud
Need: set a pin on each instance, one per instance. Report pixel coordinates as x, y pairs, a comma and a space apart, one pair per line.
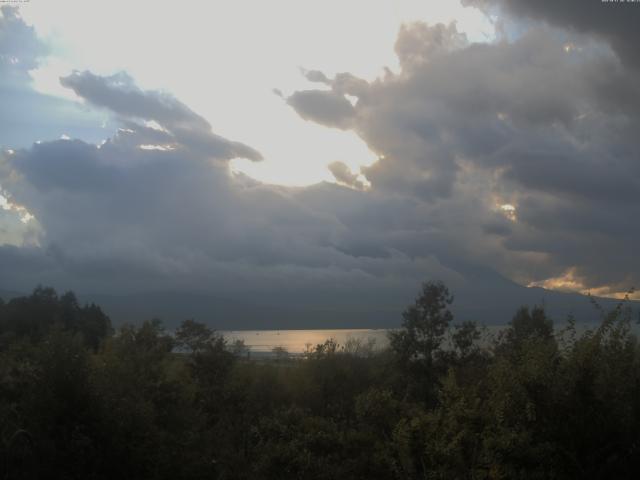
24, 214
569, 281
509, 211
218, 68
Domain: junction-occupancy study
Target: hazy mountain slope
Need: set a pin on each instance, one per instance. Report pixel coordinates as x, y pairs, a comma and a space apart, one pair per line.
485, 297
483, 304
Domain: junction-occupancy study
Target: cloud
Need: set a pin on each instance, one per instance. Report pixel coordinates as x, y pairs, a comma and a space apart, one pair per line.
548, 130
614, 22
344, 175
20, 48
418, 43
119, 94
517, 156
26, 115
117, 217
328, 108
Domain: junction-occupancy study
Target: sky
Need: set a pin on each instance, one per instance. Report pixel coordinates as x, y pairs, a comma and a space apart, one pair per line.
319, 152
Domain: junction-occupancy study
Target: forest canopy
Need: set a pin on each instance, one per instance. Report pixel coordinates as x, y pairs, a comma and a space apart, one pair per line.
79, 399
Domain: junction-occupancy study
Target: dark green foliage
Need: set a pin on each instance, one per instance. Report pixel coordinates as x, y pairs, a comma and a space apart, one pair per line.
528, 326
443, 402
34, 316
193, 336
465, 339
424, 326
417, 345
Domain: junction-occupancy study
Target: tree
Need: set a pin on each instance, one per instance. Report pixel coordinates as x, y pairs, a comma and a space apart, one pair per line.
527, 326
95, 325
194, 336
465, 339
424, 325
35, 315
416, 346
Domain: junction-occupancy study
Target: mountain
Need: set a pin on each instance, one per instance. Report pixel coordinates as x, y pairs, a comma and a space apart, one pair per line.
480, 303
492, 299
7, 295
484, 296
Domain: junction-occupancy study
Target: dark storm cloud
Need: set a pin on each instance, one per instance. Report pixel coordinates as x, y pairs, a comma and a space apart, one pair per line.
544, 123
47, 166
614, 22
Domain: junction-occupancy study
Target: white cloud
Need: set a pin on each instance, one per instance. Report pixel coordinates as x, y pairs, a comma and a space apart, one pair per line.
225, 57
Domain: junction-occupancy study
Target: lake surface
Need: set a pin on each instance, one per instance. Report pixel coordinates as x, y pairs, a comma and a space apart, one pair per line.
297, 341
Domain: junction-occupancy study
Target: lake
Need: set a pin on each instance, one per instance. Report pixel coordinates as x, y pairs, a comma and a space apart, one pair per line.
296, 341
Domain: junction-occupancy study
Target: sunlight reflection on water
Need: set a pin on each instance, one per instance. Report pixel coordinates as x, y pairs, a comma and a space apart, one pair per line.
296, 341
